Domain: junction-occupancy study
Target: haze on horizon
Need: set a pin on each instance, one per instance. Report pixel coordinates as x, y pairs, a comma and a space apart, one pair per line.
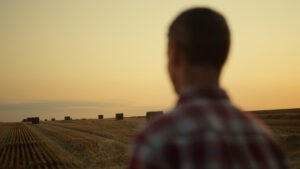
82, 58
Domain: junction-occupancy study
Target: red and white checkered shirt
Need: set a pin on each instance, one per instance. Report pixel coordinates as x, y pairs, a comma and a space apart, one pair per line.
205, 131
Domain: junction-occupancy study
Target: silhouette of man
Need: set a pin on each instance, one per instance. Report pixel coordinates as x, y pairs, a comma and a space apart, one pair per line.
204, 130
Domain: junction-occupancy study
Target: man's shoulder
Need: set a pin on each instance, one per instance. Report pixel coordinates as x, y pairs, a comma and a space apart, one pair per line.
156, 131
183, 116
172, 124
202, 117
158, 124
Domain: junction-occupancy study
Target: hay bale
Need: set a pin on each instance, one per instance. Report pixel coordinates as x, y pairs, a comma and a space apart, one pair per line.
153, 114
53, 119
29, 119
100, 116
68, 118
119, 116
32, 120
35, 120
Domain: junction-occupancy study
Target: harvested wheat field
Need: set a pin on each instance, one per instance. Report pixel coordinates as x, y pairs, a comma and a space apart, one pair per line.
20, 147
285, 125
104, 143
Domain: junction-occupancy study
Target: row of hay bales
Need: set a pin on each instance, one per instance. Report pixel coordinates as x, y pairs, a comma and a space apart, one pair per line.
149, 115
119, 116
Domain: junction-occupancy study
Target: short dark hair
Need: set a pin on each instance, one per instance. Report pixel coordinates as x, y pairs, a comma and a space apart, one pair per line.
203, 36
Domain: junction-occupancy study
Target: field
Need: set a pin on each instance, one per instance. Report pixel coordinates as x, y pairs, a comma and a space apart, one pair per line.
285, 125
67, 144
21, 148
91, 144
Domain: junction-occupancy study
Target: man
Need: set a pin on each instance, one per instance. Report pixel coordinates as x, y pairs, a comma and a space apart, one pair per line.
204, 130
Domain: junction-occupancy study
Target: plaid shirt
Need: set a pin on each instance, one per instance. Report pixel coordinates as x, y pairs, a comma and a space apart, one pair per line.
205, 131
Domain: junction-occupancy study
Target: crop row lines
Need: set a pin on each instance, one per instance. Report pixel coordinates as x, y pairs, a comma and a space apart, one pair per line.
23, 149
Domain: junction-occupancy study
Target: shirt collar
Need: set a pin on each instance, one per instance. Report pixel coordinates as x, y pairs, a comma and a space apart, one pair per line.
193, 92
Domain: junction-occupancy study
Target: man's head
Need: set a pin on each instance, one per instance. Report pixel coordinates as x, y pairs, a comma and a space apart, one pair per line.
199, 40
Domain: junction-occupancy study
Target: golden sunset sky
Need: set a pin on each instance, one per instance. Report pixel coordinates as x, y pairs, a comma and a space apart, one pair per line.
86, 57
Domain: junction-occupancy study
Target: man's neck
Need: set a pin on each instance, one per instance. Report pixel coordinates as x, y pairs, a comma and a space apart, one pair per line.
205, 78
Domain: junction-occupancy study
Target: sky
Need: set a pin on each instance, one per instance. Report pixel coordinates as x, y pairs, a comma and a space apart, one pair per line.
88, 57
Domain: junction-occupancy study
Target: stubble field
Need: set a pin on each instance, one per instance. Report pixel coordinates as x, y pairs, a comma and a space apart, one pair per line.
91, 144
